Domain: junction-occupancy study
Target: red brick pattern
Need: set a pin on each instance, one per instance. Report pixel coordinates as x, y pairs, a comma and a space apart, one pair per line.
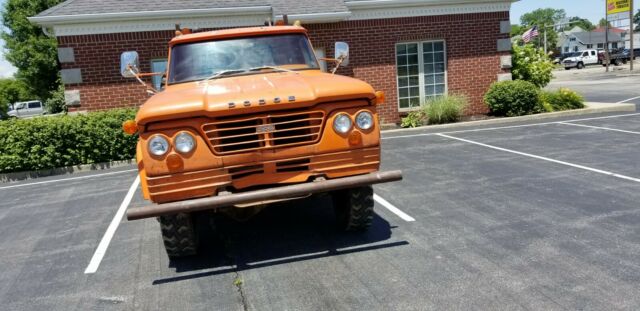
473, 61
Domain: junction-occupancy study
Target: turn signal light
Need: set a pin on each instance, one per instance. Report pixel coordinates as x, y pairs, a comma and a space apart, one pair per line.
355, 138
380, 98
130, 127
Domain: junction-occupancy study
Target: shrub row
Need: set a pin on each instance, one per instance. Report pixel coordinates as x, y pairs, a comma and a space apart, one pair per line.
439, 110
60, 141
518, 97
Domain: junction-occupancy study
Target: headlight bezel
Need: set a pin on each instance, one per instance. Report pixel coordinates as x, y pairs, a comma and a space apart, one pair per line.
370, 117
342, 116
176, 143
163, 140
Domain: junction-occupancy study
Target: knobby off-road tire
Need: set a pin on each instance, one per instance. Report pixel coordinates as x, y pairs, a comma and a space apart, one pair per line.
354, 208
179, 235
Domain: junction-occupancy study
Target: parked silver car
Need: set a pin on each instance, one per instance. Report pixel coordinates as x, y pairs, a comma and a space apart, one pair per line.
26, 109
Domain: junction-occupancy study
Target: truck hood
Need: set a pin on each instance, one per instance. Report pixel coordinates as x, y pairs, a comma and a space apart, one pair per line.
249, 94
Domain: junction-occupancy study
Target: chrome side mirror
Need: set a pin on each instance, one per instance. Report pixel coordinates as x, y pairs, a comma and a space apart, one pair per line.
129, 64
342, 53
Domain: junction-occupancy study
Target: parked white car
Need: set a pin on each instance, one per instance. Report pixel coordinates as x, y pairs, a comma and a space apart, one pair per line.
26, 109
581, 59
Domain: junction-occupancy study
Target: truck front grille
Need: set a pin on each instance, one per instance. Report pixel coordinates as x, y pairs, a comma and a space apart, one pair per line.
238, 134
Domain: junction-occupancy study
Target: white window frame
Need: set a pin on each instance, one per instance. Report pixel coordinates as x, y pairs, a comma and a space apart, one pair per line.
421, 71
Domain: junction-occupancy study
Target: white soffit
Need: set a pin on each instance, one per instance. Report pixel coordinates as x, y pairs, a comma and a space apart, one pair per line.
377, 9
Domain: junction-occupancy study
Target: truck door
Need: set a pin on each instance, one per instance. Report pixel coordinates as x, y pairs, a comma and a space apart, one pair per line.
593, 57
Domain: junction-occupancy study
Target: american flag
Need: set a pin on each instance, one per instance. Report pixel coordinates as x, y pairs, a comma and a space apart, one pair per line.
530, 34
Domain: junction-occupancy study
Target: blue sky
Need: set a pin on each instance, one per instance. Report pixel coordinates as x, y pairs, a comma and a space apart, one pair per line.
591, 9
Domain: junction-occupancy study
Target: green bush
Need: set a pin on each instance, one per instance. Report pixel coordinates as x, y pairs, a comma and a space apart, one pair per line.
531, 64
439, 110
445, 109
513, 98
414, 119
60, 141
562, 99
56, 102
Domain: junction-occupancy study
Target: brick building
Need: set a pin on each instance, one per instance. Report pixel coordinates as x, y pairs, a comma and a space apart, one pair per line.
410, 49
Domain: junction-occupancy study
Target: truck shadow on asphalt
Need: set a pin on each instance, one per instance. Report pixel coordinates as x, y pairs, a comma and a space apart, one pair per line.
292, 232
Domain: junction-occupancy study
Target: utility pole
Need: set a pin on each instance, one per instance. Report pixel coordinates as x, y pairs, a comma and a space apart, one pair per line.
606, 37
631, 35
545, 39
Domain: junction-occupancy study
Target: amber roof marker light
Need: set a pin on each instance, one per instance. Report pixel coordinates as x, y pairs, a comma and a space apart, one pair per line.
380, 97
130, 127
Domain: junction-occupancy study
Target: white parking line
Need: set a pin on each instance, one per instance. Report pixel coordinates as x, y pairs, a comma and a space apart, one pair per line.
111, 230
392, 208
627, 100
545, 159
66, 179
511, 126
600, 128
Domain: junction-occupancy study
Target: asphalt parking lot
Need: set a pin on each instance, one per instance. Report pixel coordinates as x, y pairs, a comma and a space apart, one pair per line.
597, 85
529, 216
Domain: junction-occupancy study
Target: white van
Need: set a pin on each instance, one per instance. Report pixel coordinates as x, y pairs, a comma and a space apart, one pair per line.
26, 109
581, 59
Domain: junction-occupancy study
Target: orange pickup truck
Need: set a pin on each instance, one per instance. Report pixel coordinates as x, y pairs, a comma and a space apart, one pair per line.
247, 118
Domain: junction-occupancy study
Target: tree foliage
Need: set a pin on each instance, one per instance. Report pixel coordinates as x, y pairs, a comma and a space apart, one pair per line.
603, 22
11, 91
531, 64
542, 18
28, 48
517, 30
583, 23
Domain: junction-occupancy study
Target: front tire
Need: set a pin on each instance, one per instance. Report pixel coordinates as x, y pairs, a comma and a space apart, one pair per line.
580, 65
179, 235
354, 208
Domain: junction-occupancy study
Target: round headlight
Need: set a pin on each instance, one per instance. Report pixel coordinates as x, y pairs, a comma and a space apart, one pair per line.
342, 123
158, 145
184, 142
364, 120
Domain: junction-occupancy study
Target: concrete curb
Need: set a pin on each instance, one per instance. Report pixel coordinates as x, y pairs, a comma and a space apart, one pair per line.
591, 108
9, 177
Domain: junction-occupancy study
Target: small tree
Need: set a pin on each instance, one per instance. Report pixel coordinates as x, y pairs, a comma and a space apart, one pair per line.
11, 91
531, 64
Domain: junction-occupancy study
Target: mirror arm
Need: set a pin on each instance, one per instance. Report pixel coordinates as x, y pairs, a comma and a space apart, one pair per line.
150, 90
338, 63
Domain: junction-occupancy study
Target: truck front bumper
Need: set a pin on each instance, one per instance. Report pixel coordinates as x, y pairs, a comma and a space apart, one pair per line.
285, 192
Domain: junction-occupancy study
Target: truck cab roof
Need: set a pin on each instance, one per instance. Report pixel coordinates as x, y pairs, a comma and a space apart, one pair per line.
235, 33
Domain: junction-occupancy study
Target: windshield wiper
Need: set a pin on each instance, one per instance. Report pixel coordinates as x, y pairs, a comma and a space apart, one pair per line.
223, 73
271, 67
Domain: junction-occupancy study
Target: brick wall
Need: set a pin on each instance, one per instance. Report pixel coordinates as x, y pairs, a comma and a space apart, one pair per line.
473, 62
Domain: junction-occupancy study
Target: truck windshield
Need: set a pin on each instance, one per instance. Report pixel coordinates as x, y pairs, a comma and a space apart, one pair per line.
201, 60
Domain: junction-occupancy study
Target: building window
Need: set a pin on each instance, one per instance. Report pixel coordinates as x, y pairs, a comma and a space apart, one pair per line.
575, 49
158, 66
566, 49
589, 46
421, 71
614, 45
572, 39
601, 45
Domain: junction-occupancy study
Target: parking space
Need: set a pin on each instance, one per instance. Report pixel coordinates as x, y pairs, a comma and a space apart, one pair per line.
530, 216
597, 85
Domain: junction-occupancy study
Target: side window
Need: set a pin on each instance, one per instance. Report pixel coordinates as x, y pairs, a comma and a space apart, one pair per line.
593, 53
585, 54
157, 66
320, 53
34, 105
